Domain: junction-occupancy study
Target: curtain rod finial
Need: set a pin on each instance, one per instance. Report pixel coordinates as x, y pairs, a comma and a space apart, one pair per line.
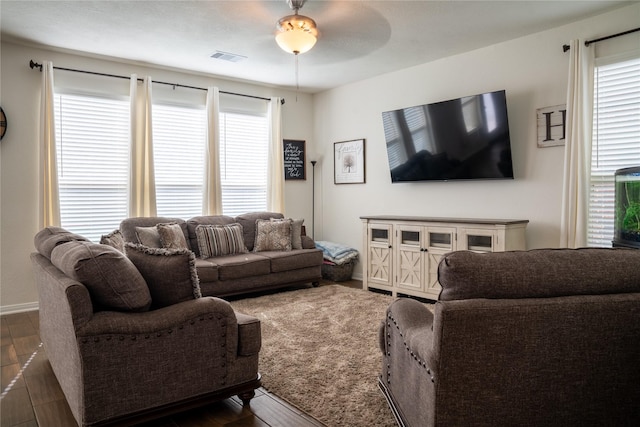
33, 65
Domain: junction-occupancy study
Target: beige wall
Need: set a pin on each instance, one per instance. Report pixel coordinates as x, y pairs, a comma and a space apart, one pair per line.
20, 95
532, 70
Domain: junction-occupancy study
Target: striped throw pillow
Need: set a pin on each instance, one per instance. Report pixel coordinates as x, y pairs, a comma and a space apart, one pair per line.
218, 240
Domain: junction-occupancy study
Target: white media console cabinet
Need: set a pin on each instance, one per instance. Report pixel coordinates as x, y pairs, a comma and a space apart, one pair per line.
401, 253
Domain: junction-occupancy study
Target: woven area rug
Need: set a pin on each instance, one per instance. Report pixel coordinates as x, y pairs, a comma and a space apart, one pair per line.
320, 352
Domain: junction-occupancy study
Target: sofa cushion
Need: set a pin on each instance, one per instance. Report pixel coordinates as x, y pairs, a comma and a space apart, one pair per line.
272, 235
113, 281
50, 237
207, 270
294, 259
538, 273
220, 240
204, 220
248, 222
113, 239
171, 236
170, 273
242, 265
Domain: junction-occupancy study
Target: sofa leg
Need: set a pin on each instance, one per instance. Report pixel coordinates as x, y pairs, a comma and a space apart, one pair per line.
315, 284
247, 396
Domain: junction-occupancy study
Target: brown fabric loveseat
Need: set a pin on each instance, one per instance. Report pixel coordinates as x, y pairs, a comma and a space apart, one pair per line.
240, 273
547, 337
119, 360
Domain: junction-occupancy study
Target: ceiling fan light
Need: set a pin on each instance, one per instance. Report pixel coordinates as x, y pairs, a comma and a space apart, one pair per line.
296, 34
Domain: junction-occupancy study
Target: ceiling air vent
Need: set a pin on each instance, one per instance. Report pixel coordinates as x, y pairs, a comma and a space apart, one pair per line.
226, 56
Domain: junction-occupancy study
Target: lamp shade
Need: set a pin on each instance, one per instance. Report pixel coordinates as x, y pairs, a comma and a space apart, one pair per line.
296, 34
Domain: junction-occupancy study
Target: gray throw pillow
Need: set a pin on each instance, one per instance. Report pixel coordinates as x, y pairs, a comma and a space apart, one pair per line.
296, 231
149, 236
113, 281
219, 240
170, 273
272, 235
171, 236
113, 239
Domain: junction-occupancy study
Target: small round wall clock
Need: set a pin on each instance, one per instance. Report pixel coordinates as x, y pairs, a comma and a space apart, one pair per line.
3, 124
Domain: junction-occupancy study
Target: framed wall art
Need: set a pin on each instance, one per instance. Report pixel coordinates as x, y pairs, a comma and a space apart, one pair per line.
348, 162
294, 159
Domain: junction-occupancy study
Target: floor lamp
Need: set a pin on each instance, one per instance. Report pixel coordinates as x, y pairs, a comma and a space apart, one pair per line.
313, 198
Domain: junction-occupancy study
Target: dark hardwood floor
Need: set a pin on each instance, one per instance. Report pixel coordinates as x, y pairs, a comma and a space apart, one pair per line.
32, 397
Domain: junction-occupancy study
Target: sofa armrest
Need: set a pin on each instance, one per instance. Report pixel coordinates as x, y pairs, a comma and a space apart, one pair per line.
128, 359
161, 320
414, 323
308, 242
249, 335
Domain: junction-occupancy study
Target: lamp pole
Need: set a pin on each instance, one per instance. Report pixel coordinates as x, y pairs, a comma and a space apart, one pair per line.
313, 199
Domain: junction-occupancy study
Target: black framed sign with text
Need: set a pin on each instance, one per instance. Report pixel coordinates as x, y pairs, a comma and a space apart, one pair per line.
294, 159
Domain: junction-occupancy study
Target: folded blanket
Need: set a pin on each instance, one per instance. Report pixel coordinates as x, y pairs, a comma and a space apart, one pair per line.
337, 253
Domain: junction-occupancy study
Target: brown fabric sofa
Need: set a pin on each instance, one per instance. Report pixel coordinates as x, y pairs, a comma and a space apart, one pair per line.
241, 273
530, 338
119, 362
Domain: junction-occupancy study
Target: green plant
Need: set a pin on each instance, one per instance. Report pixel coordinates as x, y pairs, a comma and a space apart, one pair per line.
631, 219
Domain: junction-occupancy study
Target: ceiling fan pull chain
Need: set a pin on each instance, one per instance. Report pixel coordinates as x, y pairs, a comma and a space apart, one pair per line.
297, 82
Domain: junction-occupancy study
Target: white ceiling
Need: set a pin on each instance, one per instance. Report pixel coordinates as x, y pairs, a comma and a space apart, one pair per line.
358, 39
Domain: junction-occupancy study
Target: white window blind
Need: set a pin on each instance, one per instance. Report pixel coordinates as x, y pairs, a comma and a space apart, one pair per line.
92, 142
616, 140
244, 146
179, 138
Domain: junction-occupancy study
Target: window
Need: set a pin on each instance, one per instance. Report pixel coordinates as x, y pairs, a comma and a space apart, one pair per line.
92, 143
616, 140
92, 137
244, 145
179, 138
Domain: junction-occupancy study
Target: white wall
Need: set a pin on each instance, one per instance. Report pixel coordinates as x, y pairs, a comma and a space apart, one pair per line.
532, 69
19, 97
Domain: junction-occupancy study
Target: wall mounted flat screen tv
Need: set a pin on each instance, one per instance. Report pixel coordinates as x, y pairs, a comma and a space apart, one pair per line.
459, 139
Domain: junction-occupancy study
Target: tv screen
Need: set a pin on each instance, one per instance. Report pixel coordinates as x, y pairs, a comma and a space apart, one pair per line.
459, 139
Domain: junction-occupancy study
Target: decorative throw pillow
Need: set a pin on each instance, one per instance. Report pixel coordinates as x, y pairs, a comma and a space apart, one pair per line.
170, 273
113, 281
115, 239
296, 231
272, 235
171, 236
218, 240
149, 236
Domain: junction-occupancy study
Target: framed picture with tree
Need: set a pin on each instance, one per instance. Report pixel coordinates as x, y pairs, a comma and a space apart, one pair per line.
348, 162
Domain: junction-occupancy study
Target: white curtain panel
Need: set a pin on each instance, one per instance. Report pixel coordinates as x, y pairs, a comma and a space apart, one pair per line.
142, 185
275, 168
577, 157
212, 194
49, 194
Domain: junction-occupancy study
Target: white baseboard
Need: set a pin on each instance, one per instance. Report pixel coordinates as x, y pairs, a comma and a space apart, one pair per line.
18, 308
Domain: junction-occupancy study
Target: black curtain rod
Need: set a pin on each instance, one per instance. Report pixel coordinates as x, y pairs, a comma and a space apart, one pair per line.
566, 47
33, 65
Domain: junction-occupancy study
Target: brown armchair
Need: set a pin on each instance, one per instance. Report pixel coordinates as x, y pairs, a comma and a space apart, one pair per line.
530, 338
127, 365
